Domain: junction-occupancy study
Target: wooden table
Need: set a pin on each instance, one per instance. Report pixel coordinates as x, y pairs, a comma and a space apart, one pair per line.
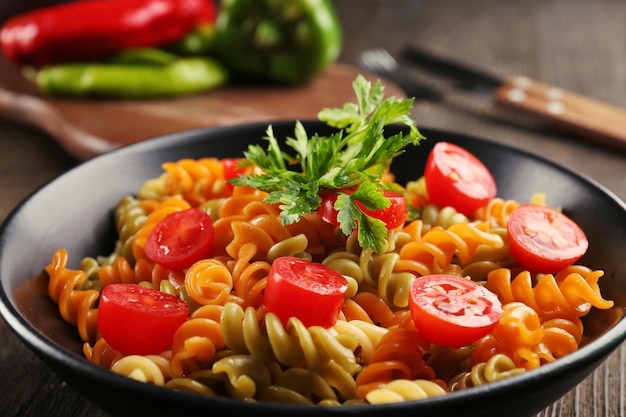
575, 44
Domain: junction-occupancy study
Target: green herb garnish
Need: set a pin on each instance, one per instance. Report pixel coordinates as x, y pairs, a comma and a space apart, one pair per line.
354, 157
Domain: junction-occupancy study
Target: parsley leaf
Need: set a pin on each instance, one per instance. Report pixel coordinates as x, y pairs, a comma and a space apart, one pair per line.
353, 157
371, 232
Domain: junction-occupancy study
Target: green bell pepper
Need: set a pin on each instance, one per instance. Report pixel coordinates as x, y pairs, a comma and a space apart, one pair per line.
137, 80
277, 41
198, 42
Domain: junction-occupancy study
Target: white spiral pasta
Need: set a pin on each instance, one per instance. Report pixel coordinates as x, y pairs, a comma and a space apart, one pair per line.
401, 390
367, 334
140, 368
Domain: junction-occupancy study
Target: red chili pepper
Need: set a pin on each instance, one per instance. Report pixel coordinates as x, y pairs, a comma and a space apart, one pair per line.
92, 29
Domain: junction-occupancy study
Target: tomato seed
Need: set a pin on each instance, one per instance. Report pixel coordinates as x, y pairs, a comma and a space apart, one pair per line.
454, 176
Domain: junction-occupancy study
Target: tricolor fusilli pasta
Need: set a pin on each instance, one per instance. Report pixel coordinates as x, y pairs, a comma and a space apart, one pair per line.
230, 345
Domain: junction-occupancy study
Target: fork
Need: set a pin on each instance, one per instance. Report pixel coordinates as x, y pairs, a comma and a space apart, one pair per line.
380, 62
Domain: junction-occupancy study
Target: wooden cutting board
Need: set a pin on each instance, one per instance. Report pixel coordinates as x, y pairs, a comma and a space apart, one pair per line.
86, 128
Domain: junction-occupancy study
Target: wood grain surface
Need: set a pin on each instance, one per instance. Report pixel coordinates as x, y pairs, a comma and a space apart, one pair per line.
578, 45
86, 128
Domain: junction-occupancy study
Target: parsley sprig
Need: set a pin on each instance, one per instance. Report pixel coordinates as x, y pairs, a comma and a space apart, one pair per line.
354, 157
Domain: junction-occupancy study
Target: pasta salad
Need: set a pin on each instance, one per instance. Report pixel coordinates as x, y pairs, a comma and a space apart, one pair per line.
313, 277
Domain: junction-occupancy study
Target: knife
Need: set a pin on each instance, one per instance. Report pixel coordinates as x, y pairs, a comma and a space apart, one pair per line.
564, 110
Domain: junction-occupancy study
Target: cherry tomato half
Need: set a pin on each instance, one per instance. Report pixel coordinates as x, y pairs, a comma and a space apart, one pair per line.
454, 177
393, 216
136, 320
544, 240
453, 311
310, 291
327, 210
181, 239
231, 169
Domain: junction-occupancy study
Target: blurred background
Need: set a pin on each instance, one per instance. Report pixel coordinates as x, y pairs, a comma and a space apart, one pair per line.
10, 8
579, 45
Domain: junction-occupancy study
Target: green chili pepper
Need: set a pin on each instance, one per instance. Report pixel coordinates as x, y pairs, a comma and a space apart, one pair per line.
143, 56
136, 81
277, 41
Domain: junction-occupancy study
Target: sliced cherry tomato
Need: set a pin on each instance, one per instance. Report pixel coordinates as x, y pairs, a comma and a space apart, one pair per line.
327, 210
544, 240
454, 177
453, 311
136, 320
181, 239
393, 216
231, 169
307, 290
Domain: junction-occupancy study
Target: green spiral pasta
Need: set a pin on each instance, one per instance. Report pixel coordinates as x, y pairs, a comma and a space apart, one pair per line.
332, 385
91, 268
433, 215
203, 382
245, 375
314, 347
129, 217
497, 367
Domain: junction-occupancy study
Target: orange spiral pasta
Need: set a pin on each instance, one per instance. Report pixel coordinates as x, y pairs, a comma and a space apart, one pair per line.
101, 353
527, 340
209, 282
197, 341
249, 277
144, 272
560, 337
370, 307
239, 208
246, 219
75, 305
197, 180
437, 247
398, 355
518, 331
498, 210
573, 291
120, 271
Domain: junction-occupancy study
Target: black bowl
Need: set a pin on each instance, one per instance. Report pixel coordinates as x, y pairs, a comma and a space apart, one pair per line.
75, 211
